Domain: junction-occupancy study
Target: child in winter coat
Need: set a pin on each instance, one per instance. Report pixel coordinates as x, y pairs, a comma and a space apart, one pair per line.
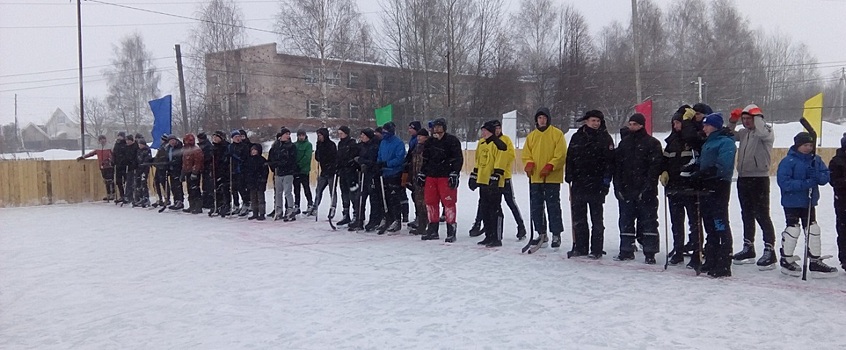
145, 160
799, 176
255, 179
838, 181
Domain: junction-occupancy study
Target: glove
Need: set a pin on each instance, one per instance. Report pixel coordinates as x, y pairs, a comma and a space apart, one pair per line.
735, 115
79, 158
689, 170
664, 178
472, 182
421, 179
530, 168
688, 114
194, 177
546, 170
453, 180
497, 174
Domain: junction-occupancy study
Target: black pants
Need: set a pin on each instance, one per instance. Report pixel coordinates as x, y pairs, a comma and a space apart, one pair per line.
120, 180
639, 218
349, 191
508, 195
301, 181
490, 205
222, 193
108, 175
142, 189
593, 239
372, 189
792, 216
207, 188
393, 194
323, 181
715, 219
754, 196
681, 206
160, 184
129, 189
239, 190
193, 181
840, 225
176, 186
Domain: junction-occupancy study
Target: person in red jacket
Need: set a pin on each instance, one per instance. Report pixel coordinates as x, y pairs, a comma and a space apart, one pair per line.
107, 169
192, 168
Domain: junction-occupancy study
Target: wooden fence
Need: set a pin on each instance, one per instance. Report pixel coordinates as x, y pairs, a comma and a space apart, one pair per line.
42, 182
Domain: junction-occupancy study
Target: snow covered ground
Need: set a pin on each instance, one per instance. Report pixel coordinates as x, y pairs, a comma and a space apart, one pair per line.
97, 276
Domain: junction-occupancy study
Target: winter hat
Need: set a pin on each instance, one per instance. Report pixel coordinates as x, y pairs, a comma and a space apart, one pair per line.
283, 130
379, 130
172, 137
423, 132
324, 132
803, 138
542, 111
497, 123
202, 136
753, 110
301, 132
189, 139
592, 114
220, 134
703, 108
164, 137
121, 135
256, 146
130, 137
345, 129
638, 118
677, 116
389, 128
440, 121
489, 126
138, 136
415, 125
714, 119
234, 133
369, 133
242, 132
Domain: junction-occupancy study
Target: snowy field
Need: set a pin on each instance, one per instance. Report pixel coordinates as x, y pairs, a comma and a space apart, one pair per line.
97, 276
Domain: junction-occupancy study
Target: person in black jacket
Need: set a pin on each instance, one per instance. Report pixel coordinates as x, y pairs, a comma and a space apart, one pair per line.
637, 165
255, 179
221, 174
206, 180
347, 173
368, 150
837, 166
326, 155
174, 158
160, 176
119, 157
680, 199
144, 159
282, 159
442, 163
589, 170
239, 150
130, 157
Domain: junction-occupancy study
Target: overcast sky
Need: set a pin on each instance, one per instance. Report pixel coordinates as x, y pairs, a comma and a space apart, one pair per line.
38, 47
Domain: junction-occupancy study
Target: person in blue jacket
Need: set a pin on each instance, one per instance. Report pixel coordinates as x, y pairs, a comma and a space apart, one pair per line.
799, 176
391, 159
716, 167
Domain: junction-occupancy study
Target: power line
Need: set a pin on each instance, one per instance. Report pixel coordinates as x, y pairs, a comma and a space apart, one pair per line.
74, 69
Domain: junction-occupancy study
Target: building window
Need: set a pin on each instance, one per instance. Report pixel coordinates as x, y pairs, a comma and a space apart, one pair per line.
355, 111
333, 78
353, 80
371, 82
312, 109
310, 76
334, 110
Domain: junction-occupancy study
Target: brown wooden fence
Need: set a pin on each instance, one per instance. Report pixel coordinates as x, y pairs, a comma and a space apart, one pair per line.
42, 182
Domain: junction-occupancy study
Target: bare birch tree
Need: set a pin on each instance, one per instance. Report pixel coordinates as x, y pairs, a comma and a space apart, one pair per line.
132, 81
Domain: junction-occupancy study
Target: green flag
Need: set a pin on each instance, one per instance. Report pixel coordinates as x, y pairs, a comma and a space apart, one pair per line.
384, 115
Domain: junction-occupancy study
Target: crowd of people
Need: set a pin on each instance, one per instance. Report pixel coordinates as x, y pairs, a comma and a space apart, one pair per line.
378, 171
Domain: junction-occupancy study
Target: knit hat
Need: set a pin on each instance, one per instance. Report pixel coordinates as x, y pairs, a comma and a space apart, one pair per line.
284, 130
440, 121
489, 126
234, 133
389, 128
172, 137
415, 125
714, 119
202, 136
138, 136
369, 133
592, 114
638, 118
423, 132
803, 138
753, 110
242, 132
345, 129
703, 108
220, 134
130, 137
301, 132
121, 135
256, 146
164, 137
379, 130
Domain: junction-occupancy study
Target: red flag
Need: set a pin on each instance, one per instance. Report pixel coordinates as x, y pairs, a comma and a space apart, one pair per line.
645, 108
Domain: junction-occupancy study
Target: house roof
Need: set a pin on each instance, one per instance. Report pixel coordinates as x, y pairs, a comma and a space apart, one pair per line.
37, 128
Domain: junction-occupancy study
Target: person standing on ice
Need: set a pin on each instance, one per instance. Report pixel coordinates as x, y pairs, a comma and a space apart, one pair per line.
799, 176
301, 179
677, 155
716, 167
589, 170
206, 180
442, 162
753, 184
144, 158
368, 150
390, 159
220, 172
239, 150
544, 155
413, 163
107, 170
837, 165
492, 157
160, 177
282, 159
347, 174
326, 155
174, 172
637, 166
255, 179
192, 169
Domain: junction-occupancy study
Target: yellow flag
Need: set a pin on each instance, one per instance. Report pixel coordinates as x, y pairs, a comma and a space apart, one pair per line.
813, 113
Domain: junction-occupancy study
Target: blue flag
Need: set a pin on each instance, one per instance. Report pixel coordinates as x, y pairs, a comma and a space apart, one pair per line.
162, 117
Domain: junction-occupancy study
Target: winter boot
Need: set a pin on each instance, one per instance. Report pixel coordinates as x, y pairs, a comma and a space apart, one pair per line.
371, 226
254, 216
197, 206
476, 230
346, 220
297, 210
484, 241
623, 256
649, 258
677, 257
245, 209
768, 258
690, 248
405, 212
745, 255
394, 226
789, 266
556, 240
412, 224
820, 269
310, 211
177, 206
521, 232
494, 243
451, 229
356, 226
431, 232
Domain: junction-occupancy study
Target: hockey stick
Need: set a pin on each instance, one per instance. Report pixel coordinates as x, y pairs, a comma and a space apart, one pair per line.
384, 225
666, 239
813, 133
334, 196
531, 222
572, 223
543, 215
700, 228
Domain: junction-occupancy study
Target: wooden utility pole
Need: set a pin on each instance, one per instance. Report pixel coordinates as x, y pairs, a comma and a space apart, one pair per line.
81, 93
182, 99
636, 46
449, 86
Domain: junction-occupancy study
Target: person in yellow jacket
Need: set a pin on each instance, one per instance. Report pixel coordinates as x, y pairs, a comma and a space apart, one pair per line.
543, 155
492, 158
507, 190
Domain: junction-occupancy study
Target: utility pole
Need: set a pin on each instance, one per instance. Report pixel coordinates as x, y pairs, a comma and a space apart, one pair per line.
636, 46
449, 86
18, 137
842, 90
182, 98
699, 85
81, 93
